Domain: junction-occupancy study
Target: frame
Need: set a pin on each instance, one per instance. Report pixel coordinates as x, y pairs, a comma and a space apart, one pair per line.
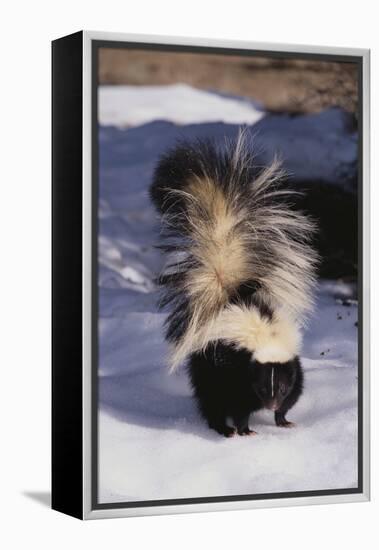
75, 275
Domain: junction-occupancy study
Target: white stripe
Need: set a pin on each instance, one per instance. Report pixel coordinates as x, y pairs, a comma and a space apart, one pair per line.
272, 381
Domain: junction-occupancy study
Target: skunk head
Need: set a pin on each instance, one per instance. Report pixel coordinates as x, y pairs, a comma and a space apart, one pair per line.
274, 382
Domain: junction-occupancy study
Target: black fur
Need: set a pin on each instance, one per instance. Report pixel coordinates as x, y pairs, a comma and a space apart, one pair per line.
228, 383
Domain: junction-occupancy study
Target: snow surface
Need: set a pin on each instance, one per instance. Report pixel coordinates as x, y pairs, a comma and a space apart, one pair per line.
319, 147
152, 442
179, 103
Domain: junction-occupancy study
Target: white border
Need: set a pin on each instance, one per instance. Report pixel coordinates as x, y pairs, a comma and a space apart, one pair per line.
366, 283
88, 513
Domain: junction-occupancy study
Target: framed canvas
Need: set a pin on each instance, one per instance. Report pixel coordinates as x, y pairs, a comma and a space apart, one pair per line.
210, 275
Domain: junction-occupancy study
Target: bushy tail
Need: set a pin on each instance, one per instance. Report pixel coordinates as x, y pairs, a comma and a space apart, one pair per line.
228, 230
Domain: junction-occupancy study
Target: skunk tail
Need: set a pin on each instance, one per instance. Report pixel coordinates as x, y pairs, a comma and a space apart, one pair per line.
229, 233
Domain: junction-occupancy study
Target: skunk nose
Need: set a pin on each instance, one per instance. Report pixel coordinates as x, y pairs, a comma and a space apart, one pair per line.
272, 405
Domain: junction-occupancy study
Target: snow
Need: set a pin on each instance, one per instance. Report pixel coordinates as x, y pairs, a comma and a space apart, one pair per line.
320, 147
154, 445
314, 147
152, 442
135, 105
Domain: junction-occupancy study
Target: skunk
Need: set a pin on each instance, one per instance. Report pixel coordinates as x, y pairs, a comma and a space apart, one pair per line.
238, 280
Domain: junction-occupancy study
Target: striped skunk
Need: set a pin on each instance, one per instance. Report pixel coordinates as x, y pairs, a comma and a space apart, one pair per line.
238, 280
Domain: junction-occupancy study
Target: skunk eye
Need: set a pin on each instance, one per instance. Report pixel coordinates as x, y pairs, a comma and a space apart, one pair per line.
263, 391
283, 389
